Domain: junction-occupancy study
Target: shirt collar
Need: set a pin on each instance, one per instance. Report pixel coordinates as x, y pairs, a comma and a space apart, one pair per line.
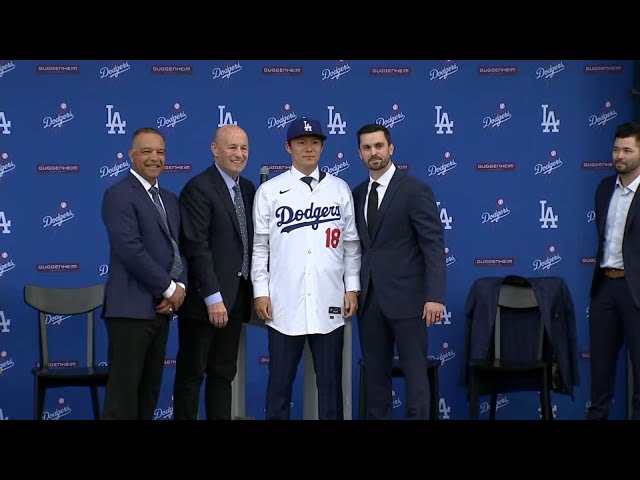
297, 174
143, 180
385, 178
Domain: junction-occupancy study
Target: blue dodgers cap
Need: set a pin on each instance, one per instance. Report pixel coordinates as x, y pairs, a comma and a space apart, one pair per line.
304, 126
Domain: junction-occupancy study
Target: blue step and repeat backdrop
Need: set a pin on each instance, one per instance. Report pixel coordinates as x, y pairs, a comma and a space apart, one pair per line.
512, 149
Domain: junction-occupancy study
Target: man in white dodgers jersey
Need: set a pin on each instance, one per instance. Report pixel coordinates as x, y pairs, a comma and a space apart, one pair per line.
305, 271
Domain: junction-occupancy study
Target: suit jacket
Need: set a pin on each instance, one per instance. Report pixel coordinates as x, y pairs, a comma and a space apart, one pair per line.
405, 256
141, 254
211, 241
556, 307
630, 241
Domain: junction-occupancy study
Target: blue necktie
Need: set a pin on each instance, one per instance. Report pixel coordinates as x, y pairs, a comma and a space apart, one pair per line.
307, 180
242, 220
177, 267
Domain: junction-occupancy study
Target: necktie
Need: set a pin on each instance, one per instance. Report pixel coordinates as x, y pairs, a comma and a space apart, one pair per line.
372, 208
177, 267
307, 180
242, 220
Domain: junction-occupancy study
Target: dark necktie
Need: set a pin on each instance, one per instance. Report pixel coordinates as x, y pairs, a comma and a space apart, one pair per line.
307, 180
177, 267
372, 208
242, 220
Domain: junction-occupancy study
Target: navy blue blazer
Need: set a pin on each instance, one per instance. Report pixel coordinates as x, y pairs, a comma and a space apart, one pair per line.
630, 240
405, 256
141, 254
211, 241
556, 308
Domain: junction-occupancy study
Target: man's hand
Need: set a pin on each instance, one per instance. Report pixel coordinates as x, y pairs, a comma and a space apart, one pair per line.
350, 304
178, 297
432, 312
263, 308
165, 307
218, 316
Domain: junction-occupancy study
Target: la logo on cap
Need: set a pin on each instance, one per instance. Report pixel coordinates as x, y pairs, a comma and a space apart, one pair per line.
307, 127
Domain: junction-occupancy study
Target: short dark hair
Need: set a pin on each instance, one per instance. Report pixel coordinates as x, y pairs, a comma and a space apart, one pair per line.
372, 128
629, 129
142, 130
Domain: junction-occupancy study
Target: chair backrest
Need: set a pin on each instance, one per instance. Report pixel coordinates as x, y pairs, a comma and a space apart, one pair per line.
65, 301
519, 330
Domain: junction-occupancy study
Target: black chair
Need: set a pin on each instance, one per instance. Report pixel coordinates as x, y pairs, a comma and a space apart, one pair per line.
66, 301
396, 372
519, 359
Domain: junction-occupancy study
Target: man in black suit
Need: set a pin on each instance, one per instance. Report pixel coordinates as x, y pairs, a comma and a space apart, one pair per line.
147, 278
614, 314
217, 238
402, 275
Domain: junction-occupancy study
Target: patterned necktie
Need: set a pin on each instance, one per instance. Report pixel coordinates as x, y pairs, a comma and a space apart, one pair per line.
242, 220
372, 208
307, 180
177, 267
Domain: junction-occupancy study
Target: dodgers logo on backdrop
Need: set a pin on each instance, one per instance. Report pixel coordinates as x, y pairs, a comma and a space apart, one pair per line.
287, 116
547, 217
446, 318
549, 122
335, 122
63, 116
448, 163
5, 125
55, 319
225, 117
310, 217
550, 71
120, 165
6, 67
503, 115
591, 216
342, 68
551, 164
444, 409
502, 401
164, 413
340, 165
5, 322
177, 115
446, 354
64, 215
5, 224
6, 362
498, 214
449, 258
114, 124
443, 73
103, 269
396, 117
443, 125
226, 72
62, 410
6, 264
115, 71
6, 165
446, 220
395, 399
608, 114
552, 258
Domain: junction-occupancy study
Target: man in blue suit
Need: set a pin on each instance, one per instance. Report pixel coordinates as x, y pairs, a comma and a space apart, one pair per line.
146, 281
402, 276
614, 314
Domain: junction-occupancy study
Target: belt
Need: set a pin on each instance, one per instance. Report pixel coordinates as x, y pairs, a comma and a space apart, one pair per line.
613, 272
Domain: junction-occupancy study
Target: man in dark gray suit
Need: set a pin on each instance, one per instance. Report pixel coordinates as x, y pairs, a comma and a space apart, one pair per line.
147, 278
614, 314
402, 276
217, 239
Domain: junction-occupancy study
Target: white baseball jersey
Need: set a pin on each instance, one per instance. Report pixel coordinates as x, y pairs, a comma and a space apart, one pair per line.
313, 251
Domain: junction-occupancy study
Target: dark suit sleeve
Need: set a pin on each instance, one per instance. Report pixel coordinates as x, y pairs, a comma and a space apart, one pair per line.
428, 227
196, 210
119, 217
